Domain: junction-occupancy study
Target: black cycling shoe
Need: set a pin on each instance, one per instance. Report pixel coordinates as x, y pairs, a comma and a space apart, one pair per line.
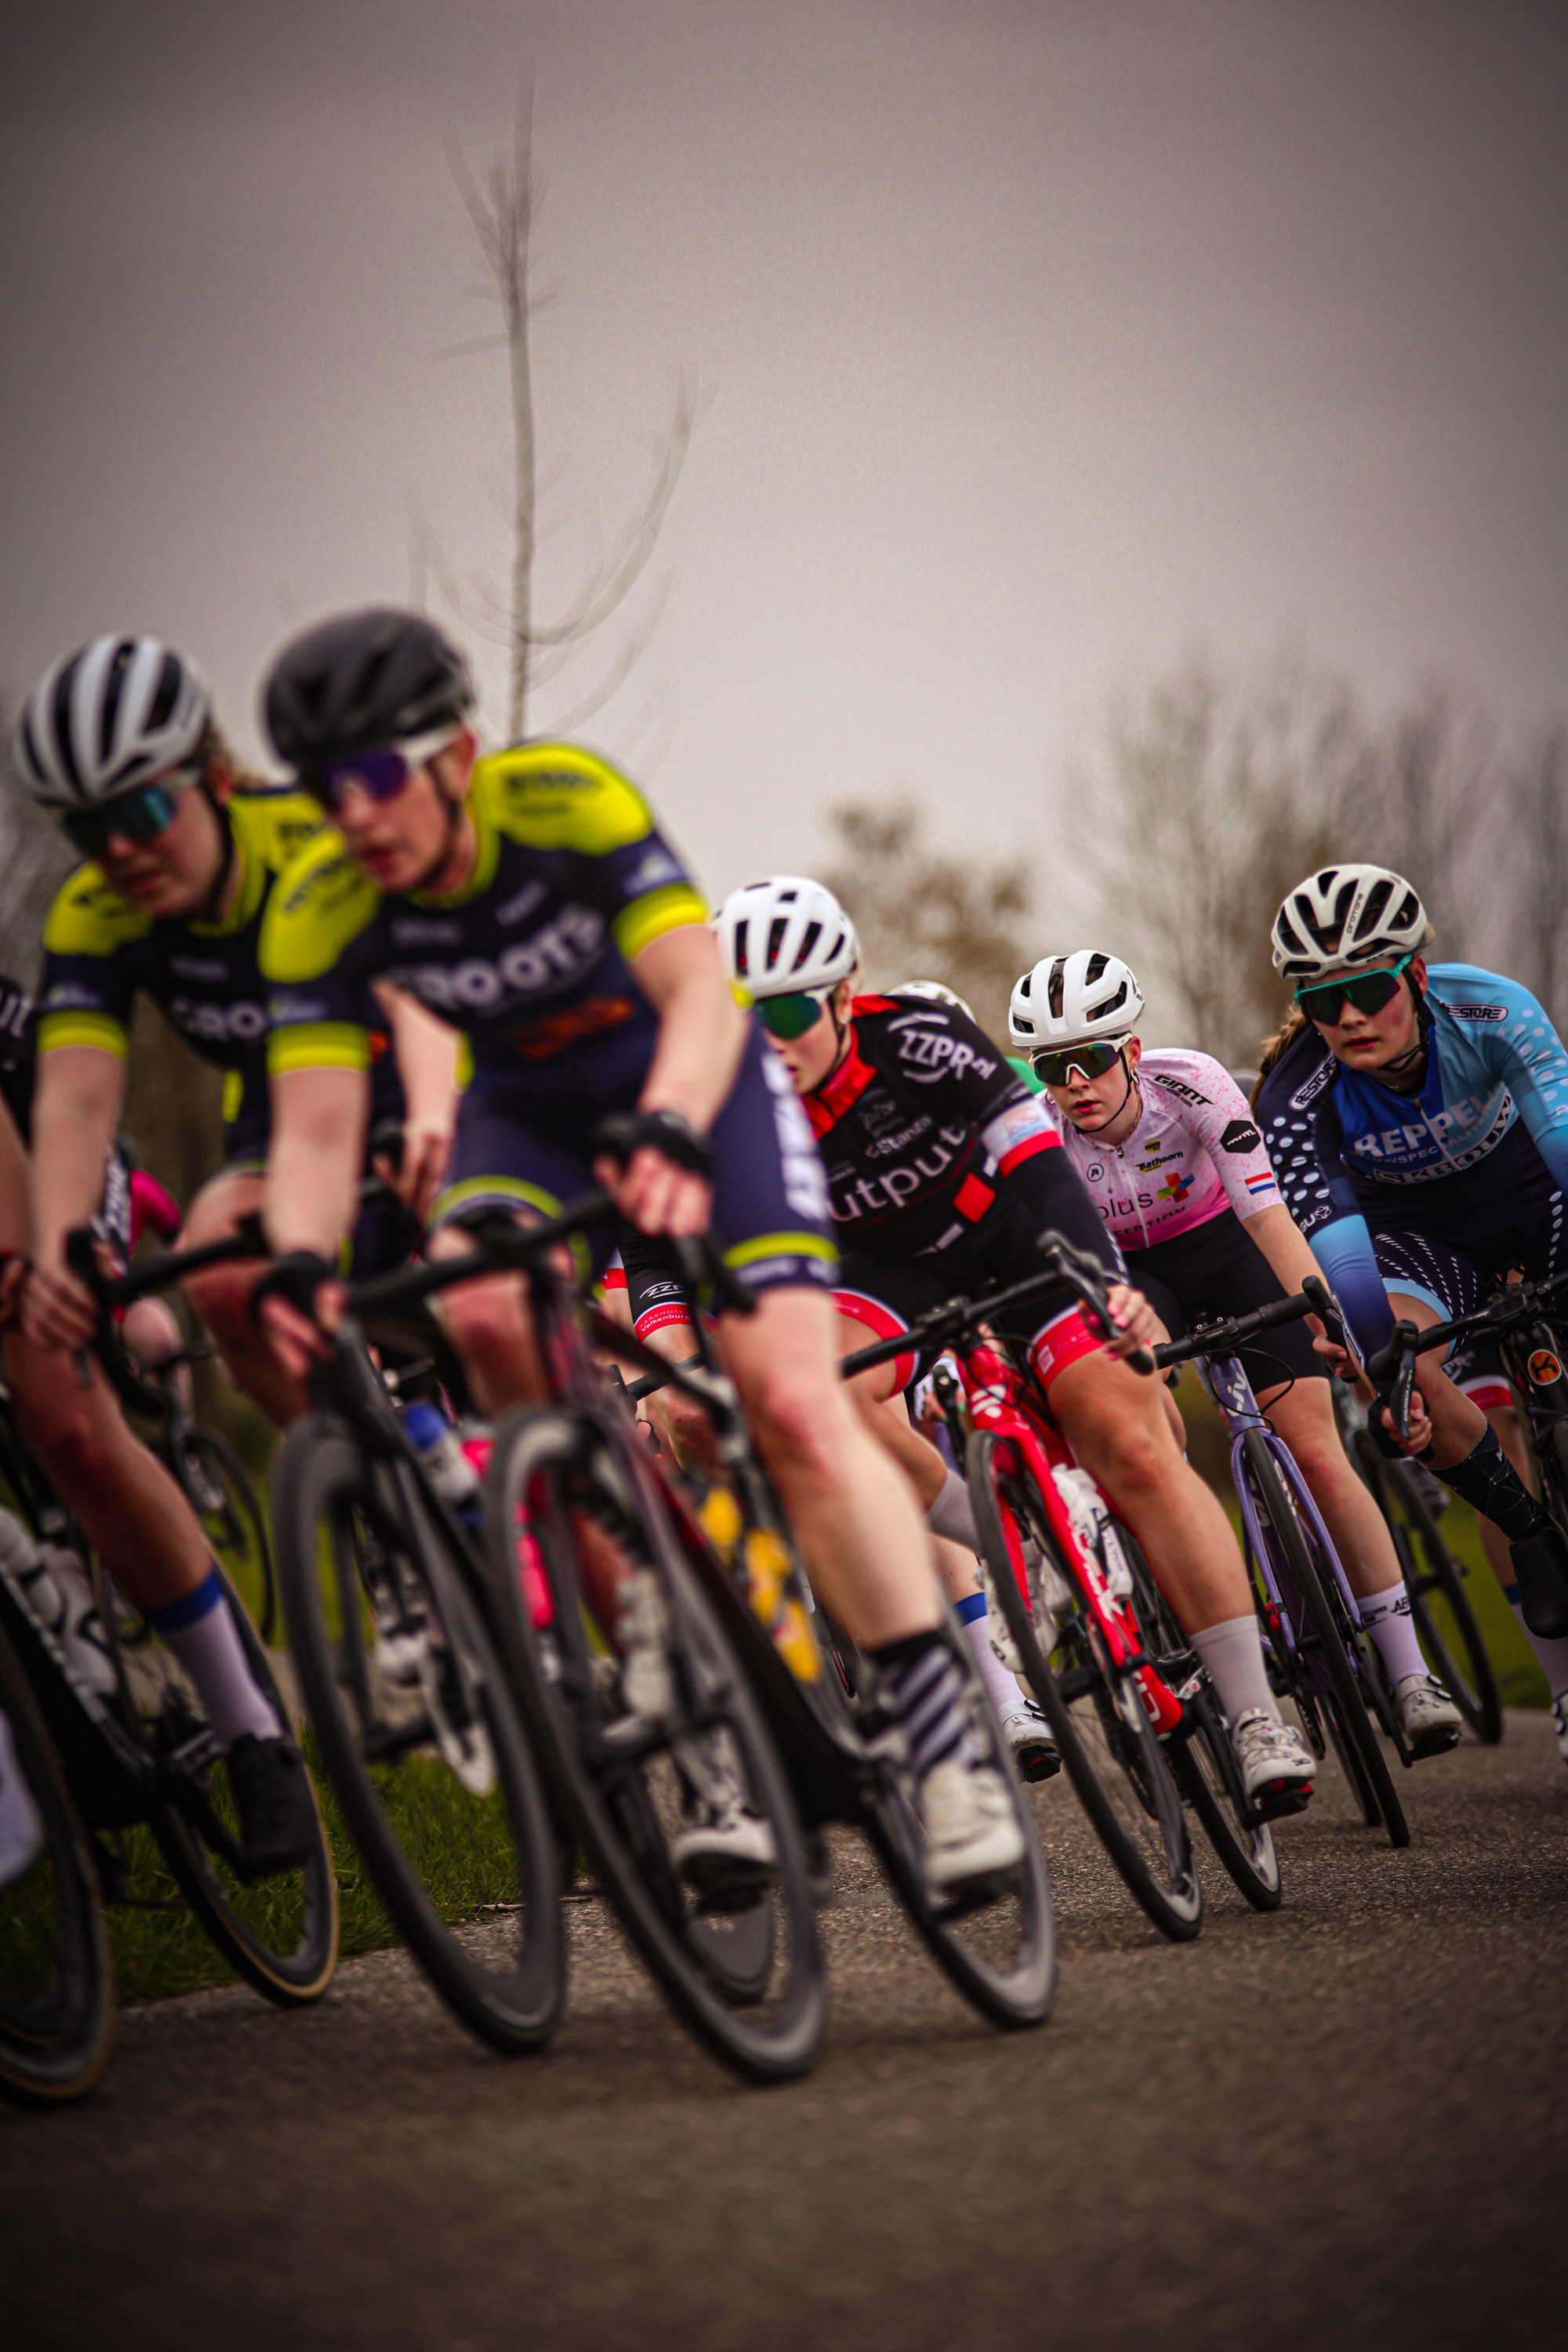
278, 1828
1540, 1570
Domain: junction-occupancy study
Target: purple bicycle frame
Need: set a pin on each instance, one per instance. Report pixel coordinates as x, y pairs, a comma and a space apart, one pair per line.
1232, 1391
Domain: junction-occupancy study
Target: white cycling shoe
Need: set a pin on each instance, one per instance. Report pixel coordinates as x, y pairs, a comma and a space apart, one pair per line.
1276, 1765
1429, 1722
972, 1830
723, 1846
1029, 1741
21, 1824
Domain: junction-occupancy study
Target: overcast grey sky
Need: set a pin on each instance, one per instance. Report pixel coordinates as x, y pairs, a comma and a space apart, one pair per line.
1040, 341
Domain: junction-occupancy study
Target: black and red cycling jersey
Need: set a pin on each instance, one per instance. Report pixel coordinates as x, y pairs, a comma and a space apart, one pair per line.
921, 1124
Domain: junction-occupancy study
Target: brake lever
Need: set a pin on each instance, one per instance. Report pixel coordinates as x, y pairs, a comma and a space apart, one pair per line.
1314, 1288
1085, 1277
1393, 1371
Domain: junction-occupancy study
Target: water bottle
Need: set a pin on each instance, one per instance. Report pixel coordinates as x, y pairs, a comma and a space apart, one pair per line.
439, 1445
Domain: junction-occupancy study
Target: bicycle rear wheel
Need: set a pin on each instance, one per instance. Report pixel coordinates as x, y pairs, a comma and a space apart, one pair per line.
280, 1932
224, 1499
1111, 1753
56, 1985
419, 1733
1439, 1605
1330, 1654
633, 1776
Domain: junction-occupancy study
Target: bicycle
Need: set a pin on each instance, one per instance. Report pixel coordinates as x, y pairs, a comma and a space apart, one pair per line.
137, 1751
1319, 1654
1440, 1608
1140, 1733
737, 1953
56, 1982
214, 1482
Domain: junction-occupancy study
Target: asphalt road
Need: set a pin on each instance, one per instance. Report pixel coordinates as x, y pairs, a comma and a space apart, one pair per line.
1344, 2125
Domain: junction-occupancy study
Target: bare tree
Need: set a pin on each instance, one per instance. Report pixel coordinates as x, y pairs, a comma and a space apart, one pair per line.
502, 208
922, 914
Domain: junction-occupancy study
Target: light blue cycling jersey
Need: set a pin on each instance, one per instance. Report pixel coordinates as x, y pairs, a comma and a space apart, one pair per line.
1346, 1148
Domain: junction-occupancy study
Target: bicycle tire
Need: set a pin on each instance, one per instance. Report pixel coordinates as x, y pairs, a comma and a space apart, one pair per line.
56, 1980
388, 1746
279, 1933
1458, 1658
1324, 1608
620, 1779
236, 1527
1112, 1756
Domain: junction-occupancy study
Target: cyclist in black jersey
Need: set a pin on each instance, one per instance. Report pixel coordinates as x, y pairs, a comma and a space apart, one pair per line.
942, 1170
529, 898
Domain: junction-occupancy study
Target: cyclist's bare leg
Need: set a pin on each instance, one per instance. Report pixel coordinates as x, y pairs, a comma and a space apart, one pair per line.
1115, 1420
128, 1506
1304, 1417
222, 1297
859, 1524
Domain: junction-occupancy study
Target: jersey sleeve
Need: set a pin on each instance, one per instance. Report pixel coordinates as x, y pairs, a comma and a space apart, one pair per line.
553, 796
88, 982
313, 959
1531, 1056
1224, 1127
1300, 1124
948, 1058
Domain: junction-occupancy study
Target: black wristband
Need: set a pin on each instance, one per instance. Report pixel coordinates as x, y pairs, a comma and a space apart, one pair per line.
625, 1132
296, 1277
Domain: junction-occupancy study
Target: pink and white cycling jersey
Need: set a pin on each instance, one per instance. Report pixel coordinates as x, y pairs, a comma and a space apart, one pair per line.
1196, 1152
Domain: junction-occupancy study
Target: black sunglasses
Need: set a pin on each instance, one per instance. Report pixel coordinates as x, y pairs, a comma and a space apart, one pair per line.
140, 816
1369, 992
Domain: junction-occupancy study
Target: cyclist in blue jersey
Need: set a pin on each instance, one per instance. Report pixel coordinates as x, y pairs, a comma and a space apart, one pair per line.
1427, 1105
529, 898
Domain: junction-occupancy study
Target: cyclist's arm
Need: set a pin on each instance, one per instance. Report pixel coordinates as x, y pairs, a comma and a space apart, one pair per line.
426, 1051
1534, 1060
701, 1037
76, 1110
319, 1117
1289, 1256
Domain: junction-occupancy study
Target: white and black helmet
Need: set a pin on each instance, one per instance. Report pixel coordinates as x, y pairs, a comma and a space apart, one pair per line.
935, 991
1084, 998
784, 934
107, 718
1346, 915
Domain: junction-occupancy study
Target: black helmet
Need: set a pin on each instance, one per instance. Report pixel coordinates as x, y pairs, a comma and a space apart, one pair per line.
363, 679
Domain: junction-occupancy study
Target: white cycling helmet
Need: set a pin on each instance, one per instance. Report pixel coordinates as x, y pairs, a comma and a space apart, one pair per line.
935, 991
107, 718
1345, 915
1084, 998
784, 934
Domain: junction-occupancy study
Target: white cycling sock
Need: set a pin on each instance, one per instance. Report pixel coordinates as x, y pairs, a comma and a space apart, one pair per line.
973, 1615
1387, 1618
951, 1515
202, 1634
1233, 1654
1553, 1655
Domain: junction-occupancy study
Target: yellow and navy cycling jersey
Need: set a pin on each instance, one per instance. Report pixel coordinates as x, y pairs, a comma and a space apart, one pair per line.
100, 950
530, 958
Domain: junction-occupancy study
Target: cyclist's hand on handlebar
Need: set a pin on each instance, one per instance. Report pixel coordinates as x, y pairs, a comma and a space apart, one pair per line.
1340, 1360
415, 1174
1420, 1436
298, 1303
656, 1168
58, 1311
1137, 1325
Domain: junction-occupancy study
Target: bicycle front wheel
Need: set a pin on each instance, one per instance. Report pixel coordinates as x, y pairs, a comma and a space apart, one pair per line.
1331, 1653
644, 1757
420, 1734
56, 1985
1439, 1605
1113, 1755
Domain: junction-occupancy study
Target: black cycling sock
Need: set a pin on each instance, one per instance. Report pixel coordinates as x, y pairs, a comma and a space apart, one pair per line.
924, 1693
1488, 1481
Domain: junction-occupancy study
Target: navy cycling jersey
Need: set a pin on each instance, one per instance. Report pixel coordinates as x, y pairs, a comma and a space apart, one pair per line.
100, 951
1347, 1149
531, 957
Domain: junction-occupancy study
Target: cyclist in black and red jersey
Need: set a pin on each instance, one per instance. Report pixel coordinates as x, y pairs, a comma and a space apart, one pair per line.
942, 1172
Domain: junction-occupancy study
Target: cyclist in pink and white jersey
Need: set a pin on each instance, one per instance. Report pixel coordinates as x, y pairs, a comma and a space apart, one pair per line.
1169, 1149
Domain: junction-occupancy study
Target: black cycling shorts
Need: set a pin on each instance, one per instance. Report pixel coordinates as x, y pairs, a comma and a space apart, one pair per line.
1217, 1269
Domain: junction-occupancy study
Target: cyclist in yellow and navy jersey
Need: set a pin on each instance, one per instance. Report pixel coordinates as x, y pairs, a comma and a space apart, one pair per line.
530, 898
118, 740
